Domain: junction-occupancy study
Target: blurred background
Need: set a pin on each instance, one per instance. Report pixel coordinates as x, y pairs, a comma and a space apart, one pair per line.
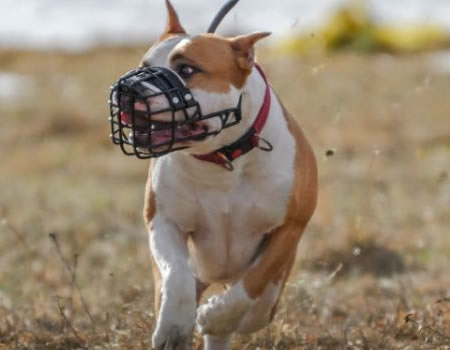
369, 81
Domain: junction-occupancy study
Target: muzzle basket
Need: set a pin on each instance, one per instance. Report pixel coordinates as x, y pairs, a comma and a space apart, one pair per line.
135, 124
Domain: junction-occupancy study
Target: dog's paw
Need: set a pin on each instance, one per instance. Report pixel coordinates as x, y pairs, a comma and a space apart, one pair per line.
221, 315
172, 339
175, 325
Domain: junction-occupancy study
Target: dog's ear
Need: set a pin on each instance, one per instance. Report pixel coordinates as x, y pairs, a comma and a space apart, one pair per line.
244, 48
173, 25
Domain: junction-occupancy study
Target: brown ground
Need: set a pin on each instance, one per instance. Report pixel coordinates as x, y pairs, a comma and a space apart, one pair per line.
373, 268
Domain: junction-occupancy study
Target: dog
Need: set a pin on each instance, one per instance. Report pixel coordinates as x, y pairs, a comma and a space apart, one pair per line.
232, 217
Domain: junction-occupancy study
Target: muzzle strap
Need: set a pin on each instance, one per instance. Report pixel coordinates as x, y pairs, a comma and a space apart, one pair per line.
250, 140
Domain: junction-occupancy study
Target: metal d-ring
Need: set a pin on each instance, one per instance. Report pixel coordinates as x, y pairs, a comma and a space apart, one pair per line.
266, 147
227, 165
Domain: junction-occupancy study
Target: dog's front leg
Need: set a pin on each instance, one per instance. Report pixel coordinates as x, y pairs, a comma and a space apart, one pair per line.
177, 287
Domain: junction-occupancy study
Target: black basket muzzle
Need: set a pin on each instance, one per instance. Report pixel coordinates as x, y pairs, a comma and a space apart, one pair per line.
153, 113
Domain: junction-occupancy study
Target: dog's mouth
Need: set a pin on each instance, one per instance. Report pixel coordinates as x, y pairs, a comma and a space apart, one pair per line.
158, 133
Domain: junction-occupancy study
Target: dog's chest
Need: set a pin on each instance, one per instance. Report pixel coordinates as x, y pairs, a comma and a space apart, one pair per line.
248, 207
226, 222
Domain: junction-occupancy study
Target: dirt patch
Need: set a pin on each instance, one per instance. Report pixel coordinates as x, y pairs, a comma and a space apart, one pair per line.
360, 258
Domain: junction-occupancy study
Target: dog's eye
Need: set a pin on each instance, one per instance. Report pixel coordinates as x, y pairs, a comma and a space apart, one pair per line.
185, 71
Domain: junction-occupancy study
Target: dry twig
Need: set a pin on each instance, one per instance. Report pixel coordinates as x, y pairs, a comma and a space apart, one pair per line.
72, 273
68, 323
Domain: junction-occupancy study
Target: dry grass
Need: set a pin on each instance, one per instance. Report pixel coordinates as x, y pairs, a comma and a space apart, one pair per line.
373, 267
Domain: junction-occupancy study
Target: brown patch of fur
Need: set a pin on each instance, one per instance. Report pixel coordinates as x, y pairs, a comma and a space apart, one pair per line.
165, 37
173, 25
282, 278
284, 240
157, 280
149, 200
215, 56
200, 288
244, 49
304, 200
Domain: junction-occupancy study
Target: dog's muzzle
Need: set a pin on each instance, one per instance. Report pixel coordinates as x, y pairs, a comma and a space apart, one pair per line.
153, 113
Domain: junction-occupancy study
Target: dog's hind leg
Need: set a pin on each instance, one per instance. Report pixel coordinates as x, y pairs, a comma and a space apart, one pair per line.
257, 293
264, 310
235, 311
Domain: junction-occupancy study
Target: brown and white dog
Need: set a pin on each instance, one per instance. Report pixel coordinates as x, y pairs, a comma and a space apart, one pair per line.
209, 225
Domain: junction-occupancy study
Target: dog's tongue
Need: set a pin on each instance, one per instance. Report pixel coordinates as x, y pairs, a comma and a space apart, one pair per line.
182, 132
125, 118
159, 137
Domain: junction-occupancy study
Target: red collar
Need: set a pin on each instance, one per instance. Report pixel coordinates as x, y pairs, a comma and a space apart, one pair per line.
250, 140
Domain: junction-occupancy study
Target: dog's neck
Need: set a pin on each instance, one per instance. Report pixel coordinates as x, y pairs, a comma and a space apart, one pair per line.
253, 95
253, 98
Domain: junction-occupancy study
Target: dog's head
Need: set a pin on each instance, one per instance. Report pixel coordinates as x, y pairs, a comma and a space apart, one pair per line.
214, 69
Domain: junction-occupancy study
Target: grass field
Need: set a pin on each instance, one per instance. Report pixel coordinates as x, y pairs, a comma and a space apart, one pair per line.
373, 267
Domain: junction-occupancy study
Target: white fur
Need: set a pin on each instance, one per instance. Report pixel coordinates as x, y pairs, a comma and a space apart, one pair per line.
211, 103
222, 215
222, 208
259, 315
159, 54
178, 303
222, 314
217, 343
